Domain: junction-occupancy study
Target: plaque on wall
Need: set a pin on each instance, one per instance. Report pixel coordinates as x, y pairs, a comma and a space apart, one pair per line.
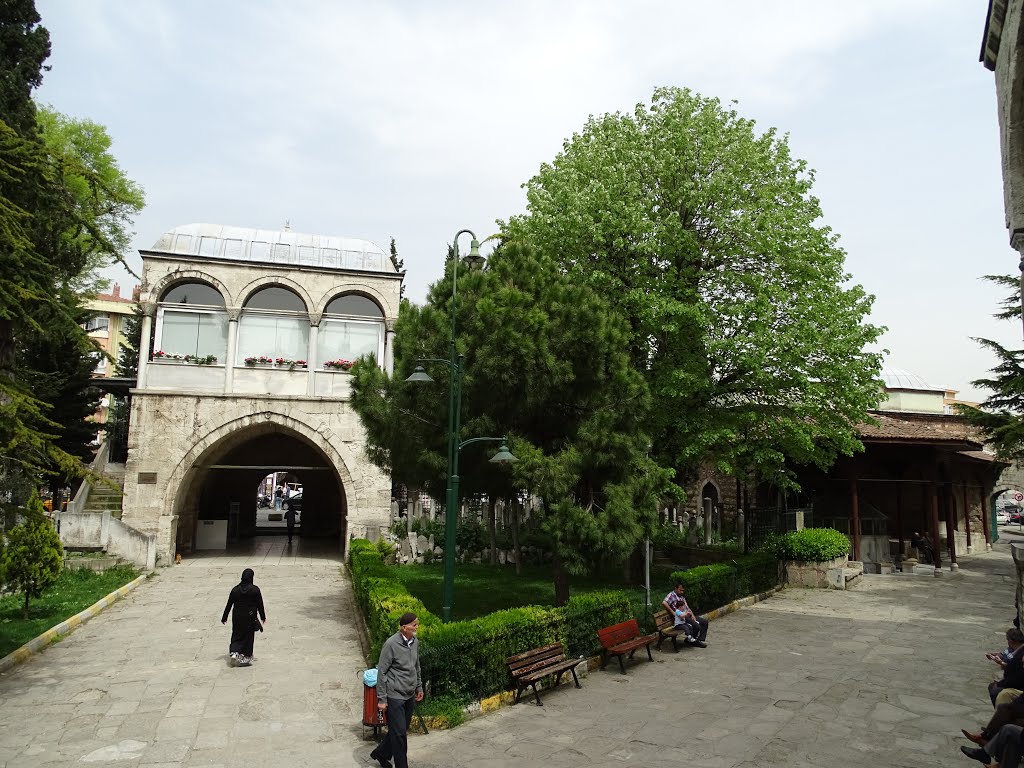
147, 478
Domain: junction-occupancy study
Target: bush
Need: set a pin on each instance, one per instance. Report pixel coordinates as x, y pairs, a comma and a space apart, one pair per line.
814, 544
712, 586
32, 557
446, 708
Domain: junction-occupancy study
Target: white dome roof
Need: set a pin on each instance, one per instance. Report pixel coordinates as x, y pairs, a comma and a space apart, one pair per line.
897, 378
216, 241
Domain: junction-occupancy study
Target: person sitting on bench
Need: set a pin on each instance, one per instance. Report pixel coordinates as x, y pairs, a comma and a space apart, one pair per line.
696, 628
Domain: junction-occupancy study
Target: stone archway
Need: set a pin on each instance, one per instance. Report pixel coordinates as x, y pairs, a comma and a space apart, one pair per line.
217, 479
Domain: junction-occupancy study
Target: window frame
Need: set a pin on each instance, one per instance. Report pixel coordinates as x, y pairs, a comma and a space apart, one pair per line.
190, 309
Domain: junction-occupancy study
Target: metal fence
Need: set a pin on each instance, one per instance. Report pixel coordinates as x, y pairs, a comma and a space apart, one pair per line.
760, 522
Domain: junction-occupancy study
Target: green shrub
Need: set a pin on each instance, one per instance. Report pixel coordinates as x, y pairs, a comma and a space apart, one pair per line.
668, 536
471, 537
446, 707
584, 614
815, 544
712, 586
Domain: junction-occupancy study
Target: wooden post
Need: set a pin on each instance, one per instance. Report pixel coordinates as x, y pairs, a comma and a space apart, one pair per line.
967, 519
899, 517
984, 515
855, 518
934, 533
950, 528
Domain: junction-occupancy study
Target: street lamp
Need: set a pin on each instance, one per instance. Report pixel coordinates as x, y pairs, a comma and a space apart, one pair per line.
503, 455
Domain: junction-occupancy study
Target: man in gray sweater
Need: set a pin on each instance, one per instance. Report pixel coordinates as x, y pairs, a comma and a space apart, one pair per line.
399, 687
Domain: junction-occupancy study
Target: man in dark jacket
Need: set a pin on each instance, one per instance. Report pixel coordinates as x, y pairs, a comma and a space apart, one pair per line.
399, 687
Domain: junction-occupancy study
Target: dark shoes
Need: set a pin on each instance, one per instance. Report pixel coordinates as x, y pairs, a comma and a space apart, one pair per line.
977, 738
977, 753
700, 644
383, 763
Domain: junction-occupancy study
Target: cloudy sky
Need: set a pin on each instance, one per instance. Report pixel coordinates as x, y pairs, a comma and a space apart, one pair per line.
414, 120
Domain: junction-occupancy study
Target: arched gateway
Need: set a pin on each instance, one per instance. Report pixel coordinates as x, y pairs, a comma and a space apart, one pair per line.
247, 340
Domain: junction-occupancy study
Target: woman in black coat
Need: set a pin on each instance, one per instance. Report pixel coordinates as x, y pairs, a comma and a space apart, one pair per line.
247, 602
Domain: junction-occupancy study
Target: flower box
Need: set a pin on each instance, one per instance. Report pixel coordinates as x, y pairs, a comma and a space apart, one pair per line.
338, 365
173, 357
252, 362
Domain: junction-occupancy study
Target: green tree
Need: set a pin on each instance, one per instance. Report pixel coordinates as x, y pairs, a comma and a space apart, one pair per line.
399, 266
127, 364
1001, 416
546, 363
24, 46
32, 556
707, 238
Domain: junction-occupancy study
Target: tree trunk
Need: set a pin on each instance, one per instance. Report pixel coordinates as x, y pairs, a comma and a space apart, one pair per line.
561, 581
492, 502
515, 538
24, 610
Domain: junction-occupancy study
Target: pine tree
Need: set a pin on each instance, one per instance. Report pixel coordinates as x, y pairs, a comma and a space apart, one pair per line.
399, 266
33, 556
1001, 416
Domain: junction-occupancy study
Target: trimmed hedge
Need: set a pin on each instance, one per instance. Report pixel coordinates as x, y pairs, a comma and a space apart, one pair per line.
467, 658
812, 545
713, 586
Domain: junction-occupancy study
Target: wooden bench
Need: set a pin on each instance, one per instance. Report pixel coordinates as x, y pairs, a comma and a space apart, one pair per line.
531, 667
665, 622
623, 638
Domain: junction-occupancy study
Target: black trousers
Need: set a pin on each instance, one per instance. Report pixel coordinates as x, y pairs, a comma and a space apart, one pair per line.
396, 744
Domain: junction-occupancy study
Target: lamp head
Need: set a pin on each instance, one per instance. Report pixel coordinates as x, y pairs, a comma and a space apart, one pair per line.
504, 455
474, 259
419, 375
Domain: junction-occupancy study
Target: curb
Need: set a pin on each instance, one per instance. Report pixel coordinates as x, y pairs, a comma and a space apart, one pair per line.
66, 627
505, 698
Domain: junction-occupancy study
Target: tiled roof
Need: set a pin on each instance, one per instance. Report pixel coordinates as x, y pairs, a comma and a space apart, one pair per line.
920, 427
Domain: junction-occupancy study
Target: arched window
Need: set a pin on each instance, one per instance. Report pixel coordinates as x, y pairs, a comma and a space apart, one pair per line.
274, 324
352, 326
192, 320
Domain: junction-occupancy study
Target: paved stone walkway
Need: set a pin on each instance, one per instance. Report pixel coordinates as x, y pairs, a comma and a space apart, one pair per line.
147, 681
885, 674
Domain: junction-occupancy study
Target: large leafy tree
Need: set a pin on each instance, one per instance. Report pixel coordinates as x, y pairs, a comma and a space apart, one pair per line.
546, 362
1001, 416
705, 235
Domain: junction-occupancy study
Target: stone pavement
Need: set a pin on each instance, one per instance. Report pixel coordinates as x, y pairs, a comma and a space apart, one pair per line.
147, 681
884, 674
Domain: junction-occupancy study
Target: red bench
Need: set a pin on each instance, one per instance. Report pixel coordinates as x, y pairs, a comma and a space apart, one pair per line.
623, 638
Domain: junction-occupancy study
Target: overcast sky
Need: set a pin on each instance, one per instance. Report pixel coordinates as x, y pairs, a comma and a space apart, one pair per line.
414, 120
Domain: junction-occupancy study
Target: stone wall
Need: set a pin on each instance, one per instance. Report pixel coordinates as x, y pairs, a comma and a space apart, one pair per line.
173, 434
99, 529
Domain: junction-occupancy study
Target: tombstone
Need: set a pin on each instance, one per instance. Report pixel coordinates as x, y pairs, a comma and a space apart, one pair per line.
691, 530
423, 543
405, 549
708, 522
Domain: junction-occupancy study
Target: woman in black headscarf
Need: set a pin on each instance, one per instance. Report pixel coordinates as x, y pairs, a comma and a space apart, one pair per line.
247, 601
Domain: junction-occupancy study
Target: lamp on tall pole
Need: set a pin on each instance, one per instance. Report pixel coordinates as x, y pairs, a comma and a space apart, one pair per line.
455, 363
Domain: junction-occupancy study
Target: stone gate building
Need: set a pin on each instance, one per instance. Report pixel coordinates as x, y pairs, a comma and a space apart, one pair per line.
243, 372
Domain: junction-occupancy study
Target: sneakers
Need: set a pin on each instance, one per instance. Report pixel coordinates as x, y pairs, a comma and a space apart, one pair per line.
700, 644
233, 661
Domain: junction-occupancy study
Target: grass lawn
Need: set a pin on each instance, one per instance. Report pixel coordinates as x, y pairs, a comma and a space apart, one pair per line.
74, 592
483, 589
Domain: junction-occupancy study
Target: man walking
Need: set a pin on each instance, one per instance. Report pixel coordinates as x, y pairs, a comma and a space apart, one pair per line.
399, 687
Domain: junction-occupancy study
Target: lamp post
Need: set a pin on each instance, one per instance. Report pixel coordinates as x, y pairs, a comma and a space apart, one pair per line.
455, 363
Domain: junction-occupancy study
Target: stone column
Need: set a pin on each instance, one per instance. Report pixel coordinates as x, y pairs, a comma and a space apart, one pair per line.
145, 341
389, 353
229, 364
311, 353
707, 521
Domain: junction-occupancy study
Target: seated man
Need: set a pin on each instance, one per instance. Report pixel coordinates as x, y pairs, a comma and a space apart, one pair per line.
1013, 668
696, 628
